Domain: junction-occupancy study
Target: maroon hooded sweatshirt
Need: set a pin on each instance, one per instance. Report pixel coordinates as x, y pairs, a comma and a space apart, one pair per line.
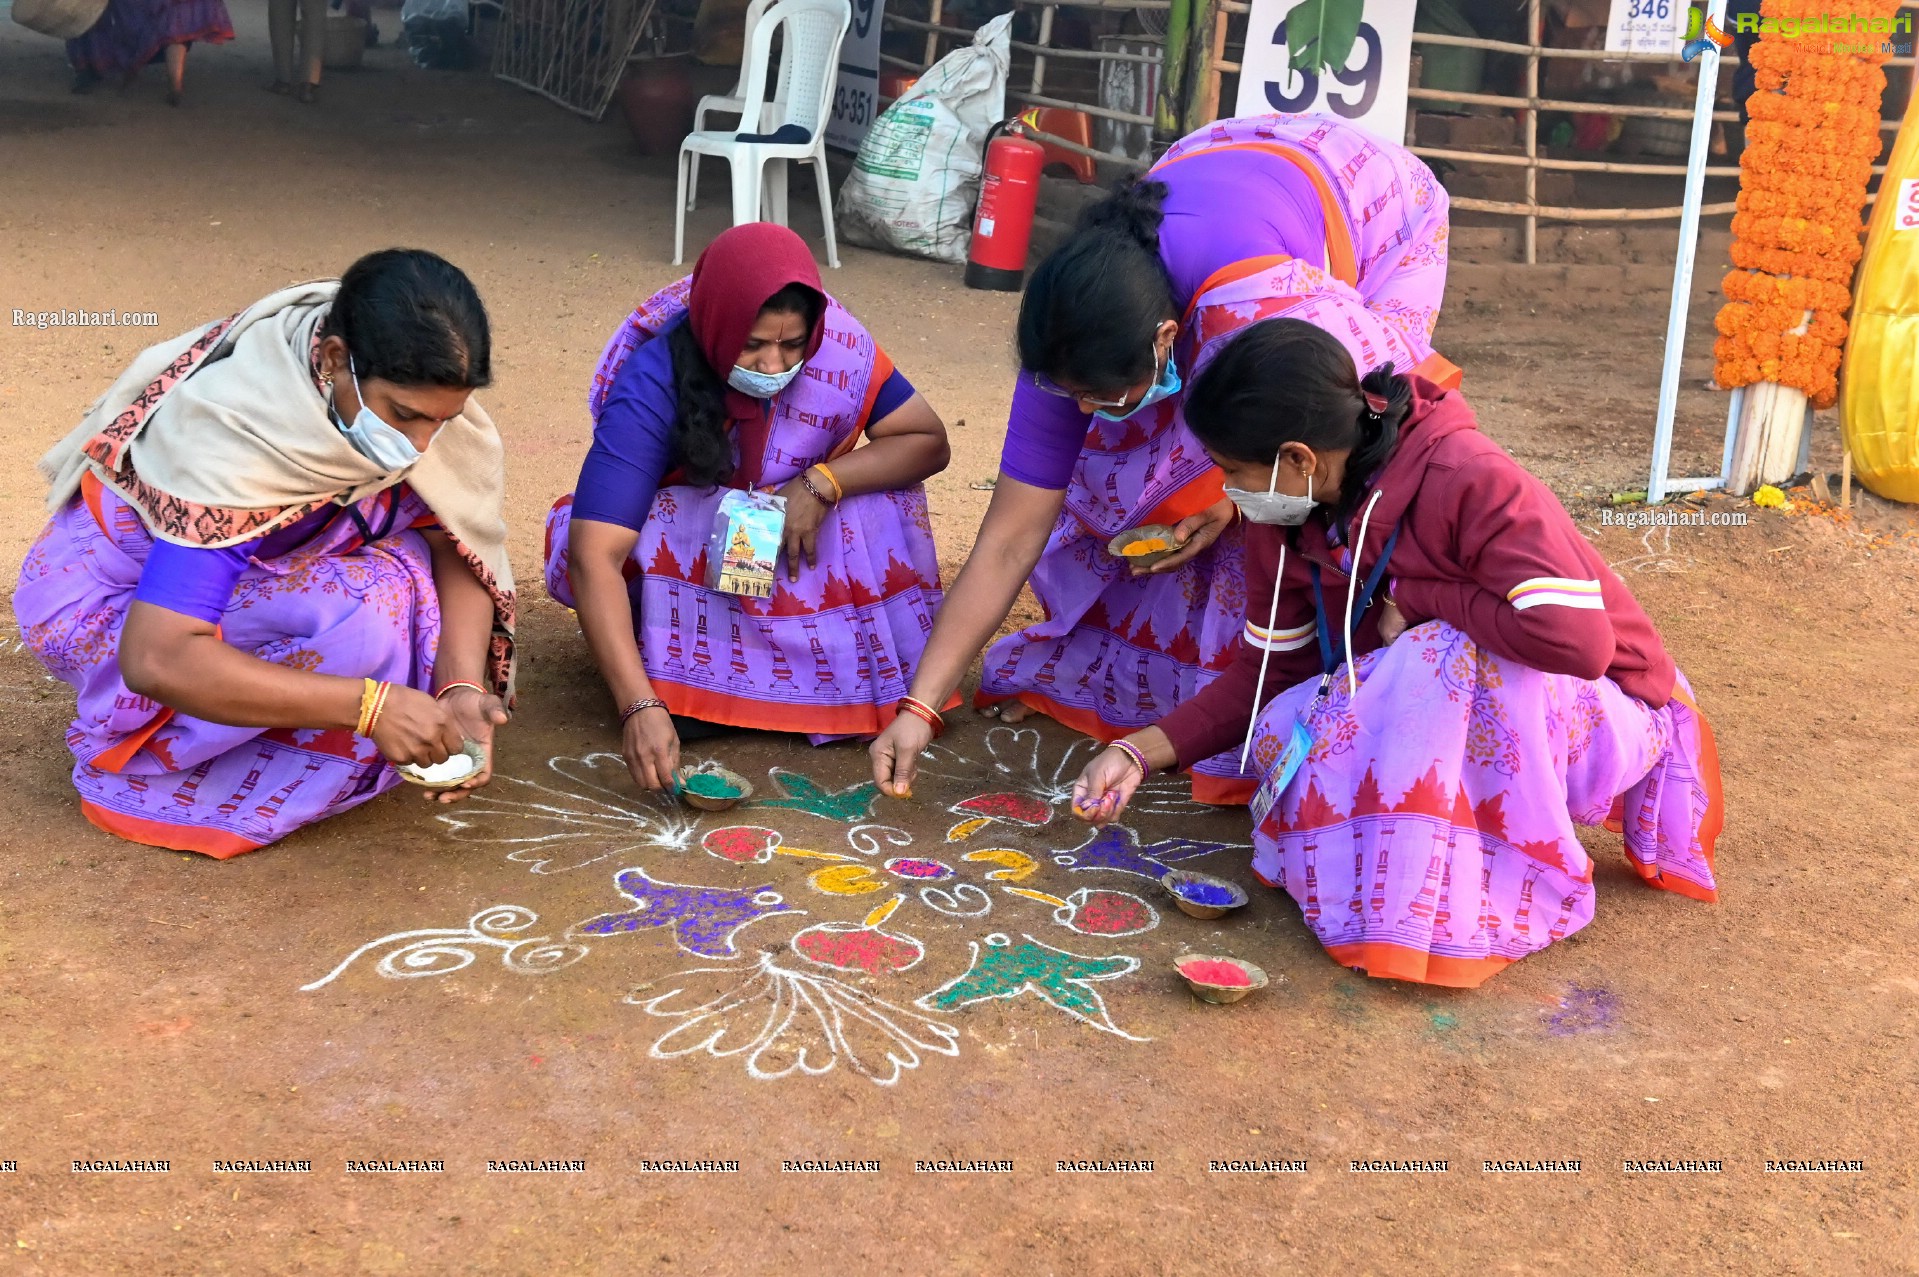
1483, 546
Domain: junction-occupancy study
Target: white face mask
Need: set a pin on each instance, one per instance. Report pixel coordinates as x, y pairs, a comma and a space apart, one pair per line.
762, 385
373, 438
1272, 506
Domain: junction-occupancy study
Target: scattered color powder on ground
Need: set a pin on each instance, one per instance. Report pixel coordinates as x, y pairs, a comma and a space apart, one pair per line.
1205, 893
1111, 913
1216, 971
869, 951
709, 785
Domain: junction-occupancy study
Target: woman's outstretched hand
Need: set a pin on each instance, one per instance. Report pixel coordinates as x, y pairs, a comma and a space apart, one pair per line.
1194, 533
475, 714
896, 754
1105, 786
651, 748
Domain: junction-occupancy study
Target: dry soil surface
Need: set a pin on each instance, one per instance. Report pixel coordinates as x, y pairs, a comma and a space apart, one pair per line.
401, 984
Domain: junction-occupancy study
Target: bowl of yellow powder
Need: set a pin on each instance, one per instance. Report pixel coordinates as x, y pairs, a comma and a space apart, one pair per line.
1142, 547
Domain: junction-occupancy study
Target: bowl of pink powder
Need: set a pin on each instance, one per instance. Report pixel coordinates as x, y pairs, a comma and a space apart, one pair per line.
1214, 978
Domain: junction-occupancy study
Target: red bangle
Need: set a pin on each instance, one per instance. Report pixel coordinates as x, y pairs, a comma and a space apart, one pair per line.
924, 712
647, 702
460, 683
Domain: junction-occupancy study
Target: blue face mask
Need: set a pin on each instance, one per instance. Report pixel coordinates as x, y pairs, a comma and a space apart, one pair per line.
1168, 384
373, 438
762, 385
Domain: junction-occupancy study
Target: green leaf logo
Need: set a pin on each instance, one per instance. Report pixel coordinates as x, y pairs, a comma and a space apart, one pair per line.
1320, 34
1695, 24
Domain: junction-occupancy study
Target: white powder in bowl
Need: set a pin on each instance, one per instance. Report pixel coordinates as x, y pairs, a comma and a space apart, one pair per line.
458, 767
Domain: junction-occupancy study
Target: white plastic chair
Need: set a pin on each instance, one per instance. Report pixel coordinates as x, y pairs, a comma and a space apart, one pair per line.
811, 32
731, 103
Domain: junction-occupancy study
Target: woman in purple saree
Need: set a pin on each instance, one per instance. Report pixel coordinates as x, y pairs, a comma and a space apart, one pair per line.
1295, 215
747, 377
257, 601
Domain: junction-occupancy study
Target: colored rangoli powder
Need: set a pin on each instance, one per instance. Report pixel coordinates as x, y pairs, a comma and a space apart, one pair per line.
1145, 545
708, 785
1226, 975
1204, 893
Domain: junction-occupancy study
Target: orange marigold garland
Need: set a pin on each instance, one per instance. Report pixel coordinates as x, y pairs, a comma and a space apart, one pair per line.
1810, 145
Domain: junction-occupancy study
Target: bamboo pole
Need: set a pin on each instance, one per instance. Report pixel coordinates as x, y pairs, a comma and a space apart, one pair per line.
1210, 108
1045, 37
1555, 213
1168, 111
1533, 34
1567, 166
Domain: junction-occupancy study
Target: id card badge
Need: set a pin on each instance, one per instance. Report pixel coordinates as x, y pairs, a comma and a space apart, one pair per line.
1284, 768
748, 529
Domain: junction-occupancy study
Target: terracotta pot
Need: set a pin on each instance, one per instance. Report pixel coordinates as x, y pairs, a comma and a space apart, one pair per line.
657, 96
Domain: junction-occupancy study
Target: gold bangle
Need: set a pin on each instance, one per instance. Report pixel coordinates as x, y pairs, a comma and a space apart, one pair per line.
839, 493
368, 690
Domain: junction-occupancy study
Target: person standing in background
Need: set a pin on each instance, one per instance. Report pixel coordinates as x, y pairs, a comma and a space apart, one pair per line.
132, 33
312, 45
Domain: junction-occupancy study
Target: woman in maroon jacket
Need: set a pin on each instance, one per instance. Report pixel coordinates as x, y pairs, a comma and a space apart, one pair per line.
1419, 800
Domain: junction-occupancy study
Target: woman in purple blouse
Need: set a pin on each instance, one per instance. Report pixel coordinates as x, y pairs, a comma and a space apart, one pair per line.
1269, 215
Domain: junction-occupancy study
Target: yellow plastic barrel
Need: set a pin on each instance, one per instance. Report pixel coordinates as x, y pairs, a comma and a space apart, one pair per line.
1879, 381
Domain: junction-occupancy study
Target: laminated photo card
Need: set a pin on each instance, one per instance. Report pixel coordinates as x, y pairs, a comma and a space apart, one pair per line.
745, 543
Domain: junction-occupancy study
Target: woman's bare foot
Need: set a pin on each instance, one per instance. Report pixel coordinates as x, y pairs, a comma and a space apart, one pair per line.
1014, 712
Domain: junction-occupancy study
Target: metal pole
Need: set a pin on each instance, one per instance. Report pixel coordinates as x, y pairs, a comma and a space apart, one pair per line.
1534, 34
1682, 269
933, 37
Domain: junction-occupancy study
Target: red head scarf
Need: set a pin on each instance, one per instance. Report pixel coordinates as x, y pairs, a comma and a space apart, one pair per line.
733, 279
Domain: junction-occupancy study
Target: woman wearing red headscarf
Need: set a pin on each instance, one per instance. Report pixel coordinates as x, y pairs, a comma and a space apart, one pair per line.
747, 376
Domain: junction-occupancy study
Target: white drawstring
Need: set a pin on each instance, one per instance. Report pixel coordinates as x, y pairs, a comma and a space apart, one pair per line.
1272, 617
1352, 588
1266, 653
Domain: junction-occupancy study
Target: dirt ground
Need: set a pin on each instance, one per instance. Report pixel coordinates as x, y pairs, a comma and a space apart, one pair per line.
394, 986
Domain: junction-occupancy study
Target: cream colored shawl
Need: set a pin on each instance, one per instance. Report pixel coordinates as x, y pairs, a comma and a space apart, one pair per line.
219, 436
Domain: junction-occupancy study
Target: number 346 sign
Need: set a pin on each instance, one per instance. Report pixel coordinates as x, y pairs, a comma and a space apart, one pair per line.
1286, 70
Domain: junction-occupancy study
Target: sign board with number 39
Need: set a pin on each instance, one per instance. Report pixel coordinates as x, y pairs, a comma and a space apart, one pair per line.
1370, 90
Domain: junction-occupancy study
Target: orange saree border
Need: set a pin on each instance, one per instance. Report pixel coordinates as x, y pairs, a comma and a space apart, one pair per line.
775, 716
216, 843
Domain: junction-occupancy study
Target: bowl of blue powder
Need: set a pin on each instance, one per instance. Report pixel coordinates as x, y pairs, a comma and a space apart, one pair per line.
1201, 895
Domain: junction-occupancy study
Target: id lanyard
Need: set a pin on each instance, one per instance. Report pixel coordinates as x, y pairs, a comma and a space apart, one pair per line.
1332, 657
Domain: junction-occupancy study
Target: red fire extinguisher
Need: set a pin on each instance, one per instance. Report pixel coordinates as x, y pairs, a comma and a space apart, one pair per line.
1009, 194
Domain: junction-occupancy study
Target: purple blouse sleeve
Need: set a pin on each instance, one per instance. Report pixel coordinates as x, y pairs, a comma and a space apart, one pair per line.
895, 392
192, 580
632, 442
1044, 434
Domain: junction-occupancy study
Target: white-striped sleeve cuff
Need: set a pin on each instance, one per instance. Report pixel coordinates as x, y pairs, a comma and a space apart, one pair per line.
1563, 591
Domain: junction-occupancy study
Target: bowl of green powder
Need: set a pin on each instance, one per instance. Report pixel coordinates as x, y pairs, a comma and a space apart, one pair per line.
711, 787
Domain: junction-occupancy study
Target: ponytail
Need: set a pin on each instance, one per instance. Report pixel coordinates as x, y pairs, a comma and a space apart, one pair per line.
1092, 306
1284, 381
1384, 401
700, 445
